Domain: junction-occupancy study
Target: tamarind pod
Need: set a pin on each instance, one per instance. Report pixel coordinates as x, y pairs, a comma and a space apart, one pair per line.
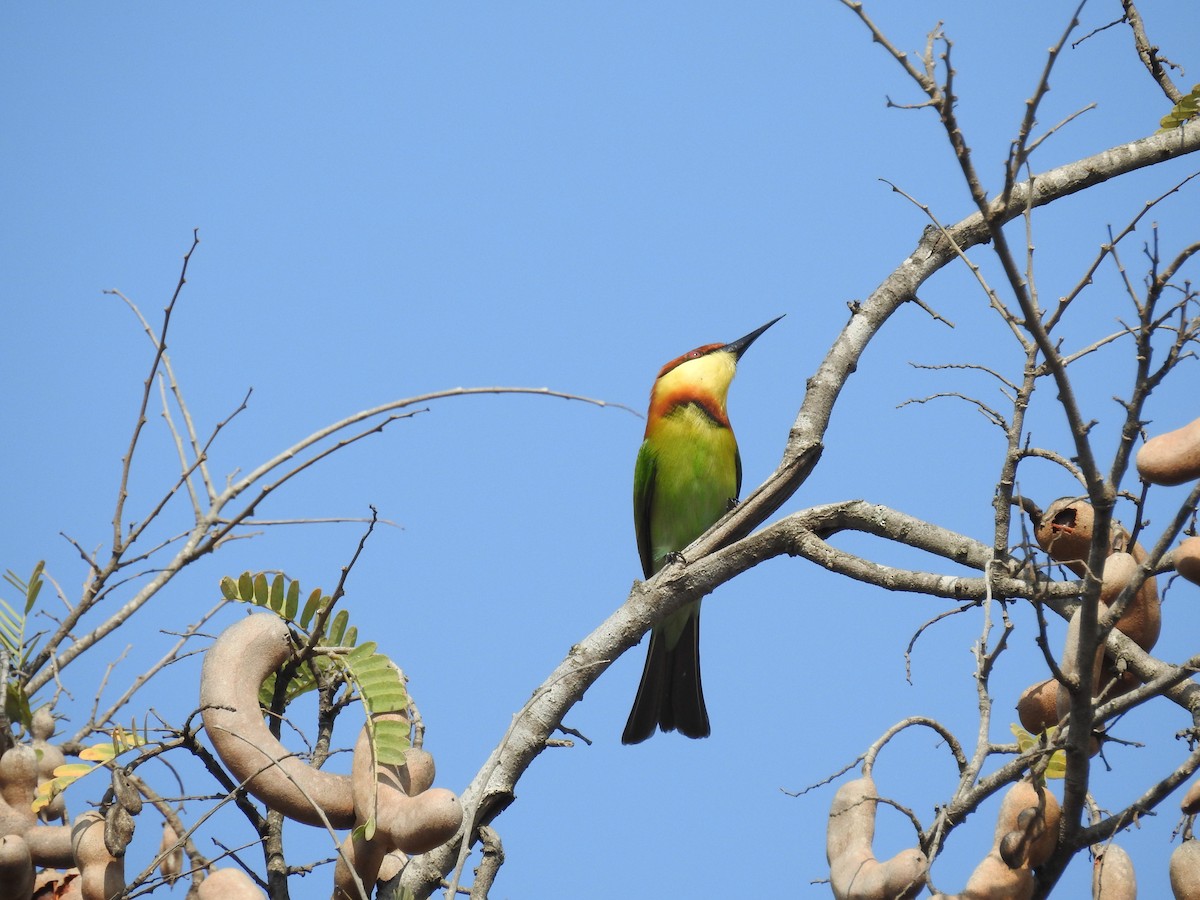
1112, 875
1041, 830
1190, 804
18, 780
101, 875
1037, 707
50, 845
994, 880
1173, 457
1070, 663
172, 861
359, 856
393, 863
233, 670
854, 873
16, 868
229, 884
1141, 621
1185, 871
1065, 530
413, 823
1187, 559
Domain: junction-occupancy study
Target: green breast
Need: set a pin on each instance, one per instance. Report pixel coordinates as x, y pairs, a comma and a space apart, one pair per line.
694, 472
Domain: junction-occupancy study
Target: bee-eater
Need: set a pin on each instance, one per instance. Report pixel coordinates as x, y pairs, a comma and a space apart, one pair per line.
688, 475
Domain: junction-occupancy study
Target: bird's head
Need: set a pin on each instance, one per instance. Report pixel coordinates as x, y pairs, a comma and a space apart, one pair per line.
703, 374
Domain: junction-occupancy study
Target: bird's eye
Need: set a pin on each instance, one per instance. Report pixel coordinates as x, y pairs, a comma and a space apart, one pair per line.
695, 354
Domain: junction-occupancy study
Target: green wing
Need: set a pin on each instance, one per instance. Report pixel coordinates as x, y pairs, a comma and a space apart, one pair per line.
644, 474
737, 467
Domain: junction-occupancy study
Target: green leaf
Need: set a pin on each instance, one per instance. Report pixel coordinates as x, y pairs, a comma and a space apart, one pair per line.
391, 741
277, 595
229, 588
310, 608
338, 628
262, 591
246, 588
1182, 112
292, 603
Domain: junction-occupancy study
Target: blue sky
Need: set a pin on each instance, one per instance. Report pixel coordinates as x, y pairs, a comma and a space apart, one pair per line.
394, 199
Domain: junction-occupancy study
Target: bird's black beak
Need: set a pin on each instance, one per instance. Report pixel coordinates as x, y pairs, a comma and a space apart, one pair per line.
742, 344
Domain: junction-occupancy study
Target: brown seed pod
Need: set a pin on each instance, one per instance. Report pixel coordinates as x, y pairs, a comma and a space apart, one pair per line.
1065, 530
1037, 706
1187, 559
1032, 814
1171, 458
228, 884
126, 791
854, 872
1142, 620
118, 829
994, 880
172, 861
1026, 835
1185, 871
16, 868
1190, 804
101, 875
1112, 875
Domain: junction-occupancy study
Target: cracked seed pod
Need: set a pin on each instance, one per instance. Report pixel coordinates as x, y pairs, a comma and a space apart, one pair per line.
1112, 875
126, 792
1065, 530
118, 829
854, 872
1171, 458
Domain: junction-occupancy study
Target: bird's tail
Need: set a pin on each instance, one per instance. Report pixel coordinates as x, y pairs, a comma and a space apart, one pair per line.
670, 695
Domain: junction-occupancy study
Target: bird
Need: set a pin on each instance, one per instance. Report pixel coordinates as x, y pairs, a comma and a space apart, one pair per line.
687, 476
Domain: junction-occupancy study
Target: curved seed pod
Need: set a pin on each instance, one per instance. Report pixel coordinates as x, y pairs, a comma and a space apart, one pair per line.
229, 884
854, 873
1187, 559
415, 823
1185, 871
233, 670
1112, 875
1171, 458
101, 875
